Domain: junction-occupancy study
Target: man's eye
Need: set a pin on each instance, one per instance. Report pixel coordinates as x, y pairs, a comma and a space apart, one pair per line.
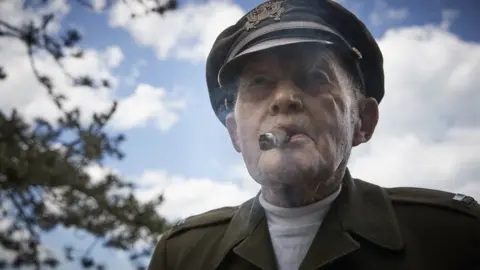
259, 80
257, 87
319, 76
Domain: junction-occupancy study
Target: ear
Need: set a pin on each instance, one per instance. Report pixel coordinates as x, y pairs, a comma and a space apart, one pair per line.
367, 122
231, 124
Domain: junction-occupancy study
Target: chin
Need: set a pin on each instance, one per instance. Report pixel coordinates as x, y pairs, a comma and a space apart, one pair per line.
290, 168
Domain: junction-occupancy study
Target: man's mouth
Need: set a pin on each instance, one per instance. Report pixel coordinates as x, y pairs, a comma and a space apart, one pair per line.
293, 130
281, 135
297, 136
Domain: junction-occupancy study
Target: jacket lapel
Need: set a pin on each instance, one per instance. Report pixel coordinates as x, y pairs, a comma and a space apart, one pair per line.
247, 235
257, 248
361, 209
330, 243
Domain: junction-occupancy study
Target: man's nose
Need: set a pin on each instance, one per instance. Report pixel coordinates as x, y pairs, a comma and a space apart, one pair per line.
286, 99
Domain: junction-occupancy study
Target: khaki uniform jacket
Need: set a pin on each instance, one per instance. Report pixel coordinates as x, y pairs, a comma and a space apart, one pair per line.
367, 227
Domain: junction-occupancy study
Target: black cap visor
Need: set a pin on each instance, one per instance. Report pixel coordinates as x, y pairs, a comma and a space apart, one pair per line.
280, 34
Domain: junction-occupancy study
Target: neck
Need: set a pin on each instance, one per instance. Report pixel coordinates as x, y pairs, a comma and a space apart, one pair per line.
290, 196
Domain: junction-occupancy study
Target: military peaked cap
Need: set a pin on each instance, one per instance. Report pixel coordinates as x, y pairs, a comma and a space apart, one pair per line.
279, 23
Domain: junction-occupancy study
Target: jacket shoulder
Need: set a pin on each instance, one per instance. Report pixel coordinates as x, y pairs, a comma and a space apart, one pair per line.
188, 237
460, 203
211, 218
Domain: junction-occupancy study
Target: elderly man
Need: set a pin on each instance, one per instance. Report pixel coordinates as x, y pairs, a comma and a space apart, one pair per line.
297, 84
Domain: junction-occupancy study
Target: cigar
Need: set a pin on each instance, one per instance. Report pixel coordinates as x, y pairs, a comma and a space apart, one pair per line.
273, 139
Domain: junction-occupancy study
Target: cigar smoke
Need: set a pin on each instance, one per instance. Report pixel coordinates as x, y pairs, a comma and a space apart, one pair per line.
273, 139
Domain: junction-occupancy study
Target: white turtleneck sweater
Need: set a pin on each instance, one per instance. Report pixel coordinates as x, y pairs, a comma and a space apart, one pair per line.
292, 229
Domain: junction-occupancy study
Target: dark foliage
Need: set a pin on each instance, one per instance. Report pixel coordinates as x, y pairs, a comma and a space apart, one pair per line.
43, 182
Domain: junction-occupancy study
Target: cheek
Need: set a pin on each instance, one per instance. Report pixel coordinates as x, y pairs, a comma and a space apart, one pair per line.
333, 120
342, 110
248, 142
247, 131
345, 124
325, 114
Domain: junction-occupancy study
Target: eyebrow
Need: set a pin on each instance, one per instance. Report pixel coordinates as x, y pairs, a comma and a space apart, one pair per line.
254, 67
321, 64
336, 68
326, 62
326, 58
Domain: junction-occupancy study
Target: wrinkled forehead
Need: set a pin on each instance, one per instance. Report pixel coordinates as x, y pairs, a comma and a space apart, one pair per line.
303, 56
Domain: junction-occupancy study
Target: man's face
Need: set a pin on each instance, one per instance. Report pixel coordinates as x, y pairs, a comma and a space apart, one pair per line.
304, 90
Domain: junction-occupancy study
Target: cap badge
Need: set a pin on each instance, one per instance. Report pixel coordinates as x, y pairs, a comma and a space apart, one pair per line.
270, 9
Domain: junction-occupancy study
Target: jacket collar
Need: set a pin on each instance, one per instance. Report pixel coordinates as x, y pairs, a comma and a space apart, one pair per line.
361, 209
366, 210
247, 234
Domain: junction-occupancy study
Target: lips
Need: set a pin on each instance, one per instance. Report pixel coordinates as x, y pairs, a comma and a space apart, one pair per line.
293, 130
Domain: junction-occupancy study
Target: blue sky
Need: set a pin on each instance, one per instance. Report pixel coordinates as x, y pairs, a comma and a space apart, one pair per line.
429, 118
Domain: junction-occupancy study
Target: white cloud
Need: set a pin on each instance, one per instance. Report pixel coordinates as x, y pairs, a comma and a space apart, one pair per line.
189, 196
429, 119
431, 82
99, 5
450, 165
22, 91
98, 173
14, 13
186, 33
113, 56
382, 13
148, 103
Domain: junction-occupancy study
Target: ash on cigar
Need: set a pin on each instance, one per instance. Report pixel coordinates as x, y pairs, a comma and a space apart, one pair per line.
273, 139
